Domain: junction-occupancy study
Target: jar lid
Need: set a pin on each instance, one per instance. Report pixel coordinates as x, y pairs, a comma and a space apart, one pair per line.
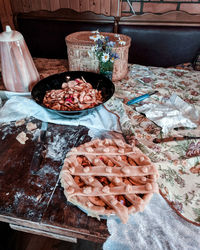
10, 35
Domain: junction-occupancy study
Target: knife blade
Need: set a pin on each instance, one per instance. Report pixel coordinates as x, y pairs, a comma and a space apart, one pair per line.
176, 139
37, 155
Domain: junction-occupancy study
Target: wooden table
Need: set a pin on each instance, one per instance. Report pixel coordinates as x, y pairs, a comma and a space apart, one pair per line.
36, 203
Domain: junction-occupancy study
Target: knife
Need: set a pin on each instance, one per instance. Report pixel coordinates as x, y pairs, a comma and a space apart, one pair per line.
140, 98
37, 155
176, 139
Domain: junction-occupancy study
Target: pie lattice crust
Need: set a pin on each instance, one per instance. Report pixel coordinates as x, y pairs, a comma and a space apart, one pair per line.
105, 177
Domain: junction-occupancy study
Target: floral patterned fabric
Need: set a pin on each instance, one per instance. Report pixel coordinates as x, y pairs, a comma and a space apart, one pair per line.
178, 162
185, 66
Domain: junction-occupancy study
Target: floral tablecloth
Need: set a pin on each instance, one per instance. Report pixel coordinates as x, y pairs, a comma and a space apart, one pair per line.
179, 179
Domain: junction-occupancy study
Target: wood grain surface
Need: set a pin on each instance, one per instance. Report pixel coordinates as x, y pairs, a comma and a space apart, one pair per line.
37, 201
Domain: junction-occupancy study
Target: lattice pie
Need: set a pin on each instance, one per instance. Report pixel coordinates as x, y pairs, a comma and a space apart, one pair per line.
105, 177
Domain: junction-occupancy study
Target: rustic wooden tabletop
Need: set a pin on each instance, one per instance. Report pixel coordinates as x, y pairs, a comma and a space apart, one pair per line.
35, 203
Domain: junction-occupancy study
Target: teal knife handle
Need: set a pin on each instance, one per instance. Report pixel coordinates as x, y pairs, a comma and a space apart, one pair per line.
138, 99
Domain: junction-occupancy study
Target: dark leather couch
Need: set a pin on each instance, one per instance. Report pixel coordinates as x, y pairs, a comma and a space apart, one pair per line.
152, 45
45, 32
162, 45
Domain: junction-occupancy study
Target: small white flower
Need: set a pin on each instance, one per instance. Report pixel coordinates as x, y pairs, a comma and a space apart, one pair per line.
95, 37
105, 57
117, 35
95, 31
112, 59
122, 42
94, 48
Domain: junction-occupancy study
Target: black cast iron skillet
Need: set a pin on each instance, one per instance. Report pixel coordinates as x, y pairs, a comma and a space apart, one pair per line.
97, 81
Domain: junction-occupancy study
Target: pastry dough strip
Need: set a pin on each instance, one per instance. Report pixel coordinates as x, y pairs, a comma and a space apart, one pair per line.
112, 171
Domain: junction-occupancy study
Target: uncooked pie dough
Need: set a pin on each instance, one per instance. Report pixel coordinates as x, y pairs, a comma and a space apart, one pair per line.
106, 177
22, 138
20, 122
31, 126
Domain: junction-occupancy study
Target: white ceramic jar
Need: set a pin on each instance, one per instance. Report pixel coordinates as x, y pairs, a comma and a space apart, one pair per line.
18, 69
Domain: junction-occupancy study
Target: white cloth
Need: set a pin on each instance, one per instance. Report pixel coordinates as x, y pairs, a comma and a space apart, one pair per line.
19, 107
171, 113
157, 228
